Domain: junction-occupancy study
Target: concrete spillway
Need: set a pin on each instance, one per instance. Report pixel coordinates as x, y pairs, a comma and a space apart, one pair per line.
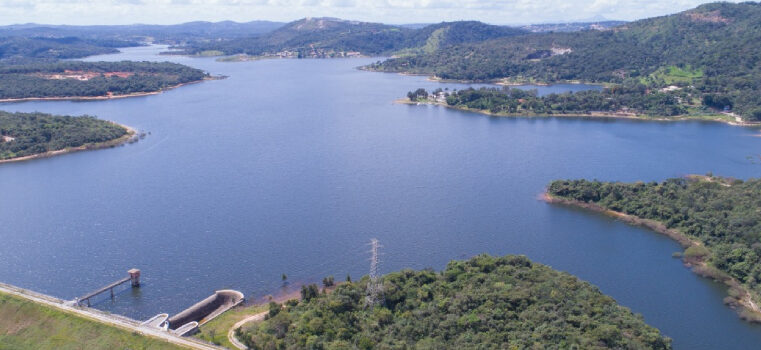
207, 309
158, 321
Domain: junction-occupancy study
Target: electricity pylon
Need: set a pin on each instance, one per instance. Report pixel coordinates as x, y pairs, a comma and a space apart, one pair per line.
374, 286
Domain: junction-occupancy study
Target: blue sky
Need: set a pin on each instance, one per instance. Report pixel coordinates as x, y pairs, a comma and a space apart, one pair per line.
387, 11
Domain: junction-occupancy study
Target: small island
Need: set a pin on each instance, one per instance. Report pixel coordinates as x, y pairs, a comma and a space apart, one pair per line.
631, 101
485, 302
715, 219
25, 136
72, 80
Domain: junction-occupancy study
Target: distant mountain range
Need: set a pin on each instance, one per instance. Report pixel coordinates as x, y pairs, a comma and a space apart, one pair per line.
257, 37
321, 37
310, 36
140, 32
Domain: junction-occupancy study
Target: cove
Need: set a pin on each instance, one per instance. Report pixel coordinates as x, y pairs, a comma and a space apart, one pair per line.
291, 166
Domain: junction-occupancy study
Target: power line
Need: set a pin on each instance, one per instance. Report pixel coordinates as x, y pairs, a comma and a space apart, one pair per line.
374, 286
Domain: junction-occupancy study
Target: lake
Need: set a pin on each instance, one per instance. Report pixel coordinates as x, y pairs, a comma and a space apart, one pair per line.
292, 166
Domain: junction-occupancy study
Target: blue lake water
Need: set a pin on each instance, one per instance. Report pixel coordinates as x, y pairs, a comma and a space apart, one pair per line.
292, 166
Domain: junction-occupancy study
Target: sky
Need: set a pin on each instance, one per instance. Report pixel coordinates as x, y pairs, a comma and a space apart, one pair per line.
88, 12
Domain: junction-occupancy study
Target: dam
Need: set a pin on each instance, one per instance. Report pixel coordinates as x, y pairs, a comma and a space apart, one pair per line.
187, 321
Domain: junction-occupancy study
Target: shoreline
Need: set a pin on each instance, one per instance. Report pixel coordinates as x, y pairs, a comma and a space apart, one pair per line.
494, 81
610, 115
132, 134
743, 303
106, 97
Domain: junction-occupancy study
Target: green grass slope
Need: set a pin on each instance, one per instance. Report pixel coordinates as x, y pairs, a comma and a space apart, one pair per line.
27, 325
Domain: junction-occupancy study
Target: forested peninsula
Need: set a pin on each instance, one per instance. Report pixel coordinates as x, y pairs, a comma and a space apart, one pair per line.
14, 47
629, 100
715, 219
485, 303
705, 58
33, 135
92, 80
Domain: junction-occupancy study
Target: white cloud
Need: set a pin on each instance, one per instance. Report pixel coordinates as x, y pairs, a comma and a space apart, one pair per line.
388, 11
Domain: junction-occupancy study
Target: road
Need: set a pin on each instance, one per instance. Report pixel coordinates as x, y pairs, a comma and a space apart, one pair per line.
231, 332
112, 320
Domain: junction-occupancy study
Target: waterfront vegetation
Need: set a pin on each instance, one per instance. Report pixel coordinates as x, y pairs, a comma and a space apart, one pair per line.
486, 303
25, 134
91, 79
711, 51
630, 100
721, 214
28, 325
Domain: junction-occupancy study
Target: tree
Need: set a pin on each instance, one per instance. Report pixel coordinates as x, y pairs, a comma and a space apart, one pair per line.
755, 114
309, 292
417, 94
328, 281
274, 309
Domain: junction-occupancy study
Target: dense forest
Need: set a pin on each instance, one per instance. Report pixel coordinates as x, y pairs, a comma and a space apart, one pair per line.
722, 214
87, 79
309, 36
23, 134
713, 49
483, 303
628, 99
15, 47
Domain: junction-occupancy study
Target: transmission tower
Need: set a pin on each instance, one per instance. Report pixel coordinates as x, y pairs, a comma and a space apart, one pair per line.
374, 287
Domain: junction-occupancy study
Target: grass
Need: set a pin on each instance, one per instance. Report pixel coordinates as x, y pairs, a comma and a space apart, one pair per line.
431, 44
28, 325
216, 330
673, 75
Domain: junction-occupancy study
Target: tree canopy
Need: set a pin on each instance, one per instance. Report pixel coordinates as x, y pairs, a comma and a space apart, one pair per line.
23, 134
87, 79
485, 303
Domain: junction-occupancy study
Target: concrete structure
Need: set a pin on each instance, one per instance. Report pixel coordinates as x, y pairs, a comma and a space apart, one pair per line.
159, 321
207, 309
133, 276
189, 328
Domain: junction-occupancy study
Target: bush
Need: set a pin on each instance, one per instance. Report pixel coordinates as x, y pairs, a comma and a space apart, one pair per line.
696, 252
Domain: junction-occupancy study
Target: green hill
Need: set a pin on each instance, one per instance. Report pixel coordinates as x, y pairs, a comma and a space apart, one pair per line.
483, 303
715, 49
439, 36
25, 134
320, 37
